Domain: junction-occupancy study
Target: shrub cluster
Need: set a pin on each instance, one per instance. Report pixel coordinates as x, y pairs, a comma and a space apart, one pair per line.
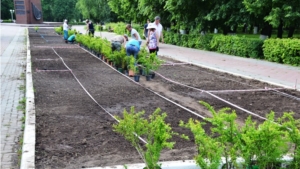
285, 51
277, 50
118, 59
60, 31
120, 28
238, 46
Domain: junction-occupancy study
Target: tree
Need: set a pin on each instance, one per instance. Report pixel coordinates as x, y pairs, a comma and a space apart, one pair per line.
125, 9
47, 7
56, 10
97, 10
228, 14
275, 13
190, 12
6, 5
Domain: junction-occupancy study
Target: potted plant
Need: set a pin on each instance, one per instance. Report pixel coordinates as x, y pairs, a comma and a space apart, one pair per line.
155, 131
133, 69
150, 64
36, 28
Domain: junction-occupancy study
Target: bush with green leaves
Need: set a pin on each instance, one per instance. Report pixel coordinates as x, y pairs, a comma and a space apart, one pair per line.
265, 143
154, 130
285, 51
238, 46
260, 145
292, 127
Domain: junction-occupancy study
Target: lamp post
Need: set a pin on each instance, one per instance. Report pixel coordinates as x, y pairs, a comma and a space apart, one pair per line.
11, 12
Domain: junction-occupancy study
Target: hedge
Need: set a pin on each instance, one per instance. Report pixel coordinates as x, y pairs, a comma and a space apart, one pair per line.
238, 46
120, 28
60, 31
285, 51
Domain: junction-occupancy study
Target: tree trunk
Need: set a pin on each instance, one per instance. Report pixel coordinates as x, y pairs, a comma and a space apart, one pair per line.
270, 27
235, 28
279, 30
291, 31
225, 29
266, 30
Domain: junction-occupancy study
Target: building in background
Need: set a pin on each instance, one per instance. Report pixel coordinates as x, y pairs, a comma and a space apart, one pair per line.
28, 11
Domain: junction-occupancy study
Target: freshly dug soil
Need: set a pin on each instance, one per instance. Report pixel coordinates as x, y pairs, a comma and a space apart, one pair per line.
259, 102
74, 132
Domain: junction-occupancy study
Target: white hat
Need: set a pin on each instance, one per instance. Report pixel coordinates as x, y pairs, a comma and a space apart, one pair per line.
151, 25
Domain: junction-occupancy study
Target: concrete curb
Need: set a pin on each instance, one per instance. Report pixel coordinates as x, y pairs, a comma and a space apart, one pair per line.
28, 150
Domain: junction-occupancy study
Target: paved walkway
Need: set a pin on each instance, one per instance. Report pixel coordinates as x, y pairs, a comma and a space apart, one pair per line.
13, 56
274, 73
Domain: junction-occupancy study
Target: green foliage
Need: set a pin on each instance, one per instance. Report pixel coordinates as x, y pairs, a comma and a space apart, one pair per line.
209, 150
106, 48
132, 64
238, 46
7, 5
96, 10
59, 30
149, 62
265, 143
154, 129
285, 51
292, 127
274, 11
36, 28
261, 144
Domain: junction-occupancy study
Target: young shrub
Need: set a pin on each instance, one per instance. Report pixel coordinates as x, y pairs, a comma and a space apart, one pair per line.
150, 63
226, 132
264, 144
36, 28
106, 48
155, 131
292, 127
132, 64
209, 150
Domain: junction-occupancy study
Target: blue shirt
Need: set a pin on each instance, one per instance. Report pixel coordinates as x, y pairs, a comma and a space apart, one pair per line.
71, 38
133, 42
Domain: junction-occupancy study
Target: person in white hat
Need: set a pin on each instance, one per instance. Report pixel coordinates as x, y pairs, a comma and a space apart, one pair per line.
153, 38
66, 28
159, 28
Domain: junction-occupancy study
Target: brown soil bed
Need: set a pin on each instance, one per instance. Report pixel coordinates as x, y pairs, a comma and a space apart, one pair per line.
259, 102
74, 132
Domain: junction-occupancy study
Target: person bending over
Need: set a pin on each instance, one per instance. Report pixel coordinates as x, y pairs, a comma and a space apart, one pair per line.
117, 41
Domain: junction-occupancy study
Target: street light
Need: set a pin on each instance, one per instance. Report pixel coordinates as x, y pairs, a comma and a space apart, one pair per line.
12, 11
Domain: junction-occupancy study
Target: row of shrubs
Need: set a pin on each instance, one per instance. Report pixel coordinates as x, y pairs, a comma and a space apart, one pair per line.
285, 51
120, 28
118, 59
248, 145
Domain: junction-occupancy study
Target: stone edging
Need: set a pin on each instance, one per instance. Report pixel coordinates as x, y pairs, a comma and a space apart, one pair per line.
28, 150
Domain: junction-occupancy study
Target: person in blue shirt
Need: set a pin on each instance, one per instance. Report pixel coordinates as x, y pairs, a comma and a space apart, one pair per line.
71, 39
132, 47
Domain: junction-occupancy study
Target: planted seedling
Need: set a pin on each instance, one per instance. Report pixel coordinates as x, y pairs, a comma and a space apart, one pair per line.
36, 28
154, 130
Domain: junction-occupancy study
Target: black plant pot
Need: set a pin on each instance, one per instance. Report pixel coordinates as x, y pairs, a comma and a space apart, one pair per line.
136, 78
152, 75
148, 77
120, 70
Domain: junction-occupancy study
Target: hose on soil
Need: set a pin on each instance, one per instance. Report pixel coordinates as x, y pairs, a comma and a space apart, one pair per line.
190, 111
90, 94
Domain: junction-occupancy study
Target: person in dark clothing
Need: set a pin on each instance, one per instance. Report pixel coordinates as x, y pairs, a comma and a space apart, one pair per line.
145, 29
91, 28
